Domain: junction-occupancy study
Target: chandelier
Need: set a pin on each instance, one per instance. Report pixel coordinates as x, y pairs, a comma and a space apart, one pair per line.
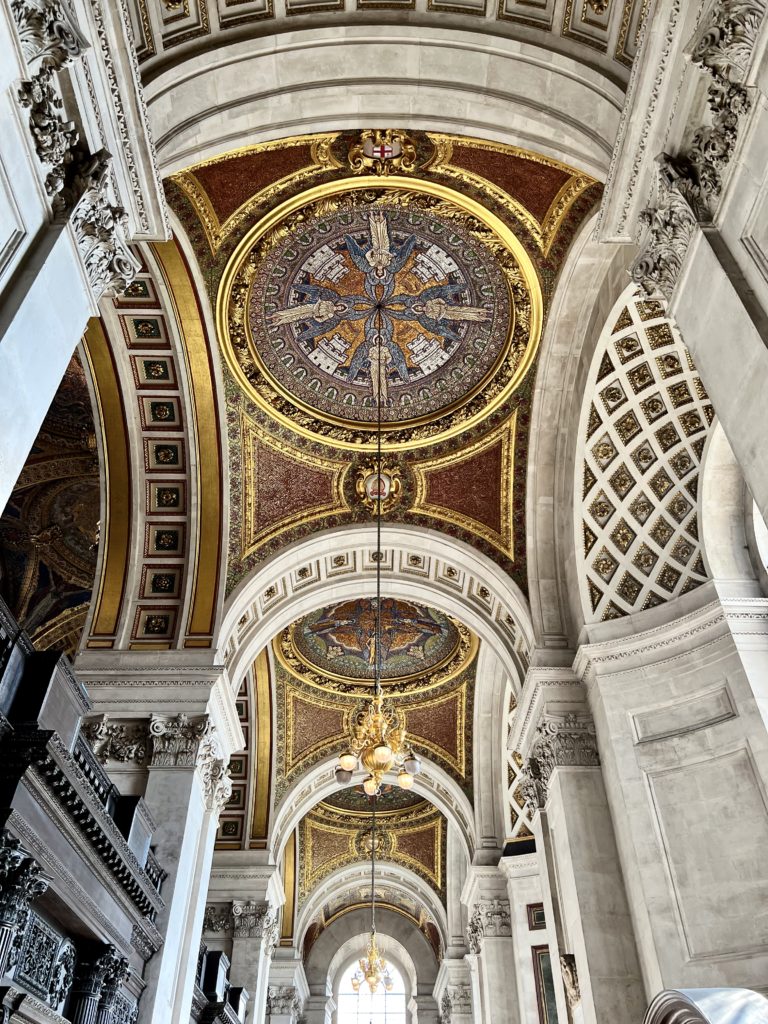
377, 740
373, 968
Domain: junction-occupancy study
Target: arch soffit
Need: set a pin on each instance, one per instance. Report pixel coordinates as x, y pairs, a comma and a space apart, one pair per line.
266, 84
418, 564
592, 281
344, 880
349, 952
432, 783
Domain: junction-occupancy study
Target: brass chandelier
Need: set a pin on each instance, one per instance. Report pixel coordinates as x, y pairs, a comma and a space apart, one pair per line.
373, 968
378, 741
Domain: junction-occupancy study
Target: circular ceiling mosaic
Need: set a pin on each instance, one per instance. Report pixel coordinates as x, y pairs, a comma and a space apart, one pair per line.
401, 304
390, 303
333, 648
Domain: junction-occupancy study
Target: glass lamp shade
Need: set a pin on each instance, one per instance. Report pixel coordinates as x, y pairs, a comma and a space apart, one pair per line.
348, 761
343, 777
371, 786
404, 780
412, 764
382, 753
388, 983
355, 984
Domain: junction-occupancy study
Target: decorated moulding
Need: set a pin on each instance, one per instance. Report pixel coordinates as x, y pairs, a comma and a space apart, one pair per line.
690, 183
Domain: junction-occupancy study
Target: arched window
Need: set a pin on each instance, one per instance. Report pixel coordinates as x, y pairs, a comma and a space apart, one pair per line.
364, 1007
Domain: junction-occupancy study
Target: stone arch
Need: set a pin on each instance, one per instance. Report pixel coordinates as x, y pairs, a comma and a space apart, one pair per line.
396, 877
262, 92
433, 784
591, 281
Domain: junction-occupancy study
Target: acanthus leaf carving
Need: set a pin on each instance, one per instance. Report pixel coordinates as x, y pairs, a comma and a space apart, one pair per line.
117, 741
176, 741
283, 999
570, 979
252, 919
566, 741
48, 33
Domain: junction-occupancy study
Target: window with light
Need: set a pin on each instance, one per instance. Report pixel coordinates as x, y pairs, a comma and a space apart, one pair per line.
366, 1007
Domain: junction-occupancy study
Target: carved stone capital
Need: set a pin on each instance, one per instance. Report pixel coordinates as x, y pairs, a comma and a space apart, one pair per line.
490, 918
251, 919
725, 40
99, 228
20, 884
48, 33
175, 742
671, 225
283, 999
561, 741
214, 772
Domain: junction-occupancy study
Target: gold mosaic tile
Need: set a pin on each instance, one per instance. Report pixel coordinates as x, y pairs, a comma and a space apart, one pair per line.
653, 407
667, 436
682, 551
682, 463
659, 335
601, 508
645, 559
627, 427
595, 594
679, 394
589, 539
613, 396
628, 347
698, 446
661, 532
629, 588
652, 601
604, 451
668, 578
641, 508
622, 481
644, 457
678, 507
640, 377
649, 309
689, 360
612, 611
692, 486
660, 483
691, 422
669, 364
624, 321
623, 535
701, 391
589, 480
594, 421
605, 565
606, 367
709, 412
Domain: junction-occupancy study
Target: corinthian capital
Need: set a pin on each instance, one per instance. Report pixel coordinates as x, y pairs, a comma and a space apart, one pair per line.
567, 741
176, 741
48, 33
20, 882
252, 919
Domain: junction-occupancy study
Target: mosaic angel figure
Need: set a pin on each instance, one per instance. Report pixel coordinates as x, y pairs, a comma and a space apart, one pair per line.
379, 356
431, 309
324, 310
379, 261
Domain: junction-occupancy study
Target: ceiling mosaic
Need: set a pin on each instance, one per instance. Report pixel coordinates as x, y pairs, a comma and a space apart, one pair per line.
643, 439
333, 648
414, 267
332, 837
50, 526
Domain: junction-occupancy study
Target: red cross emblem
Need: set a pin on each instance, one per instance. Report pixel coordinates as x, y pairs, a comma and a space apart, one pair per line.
382, 151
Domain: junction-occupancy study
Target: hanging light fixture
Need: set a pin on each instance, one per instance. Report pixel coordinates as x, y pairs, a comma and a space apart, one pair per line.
373, 968
378, 741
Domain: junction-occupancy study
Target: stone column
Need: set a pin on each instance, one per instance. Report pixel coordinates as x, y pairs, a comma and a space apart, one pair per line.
20, 883
254, 937
563, 785
186, 788
288, 990
489, 938
453, 991
96, 985
319, 1009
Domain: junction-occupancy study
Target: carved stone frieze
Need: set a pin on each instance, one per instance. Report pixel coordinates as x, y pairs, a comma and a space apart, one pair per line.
48, 33
570, 979
214, 772
117, 741
176, 741
55, 139
63, 975
561, 741
99, 228
217, 919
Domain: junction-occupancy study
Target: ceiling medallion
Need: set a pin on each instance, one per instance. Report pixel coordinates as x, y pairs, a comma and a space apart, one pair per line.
386, 486
379, 297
